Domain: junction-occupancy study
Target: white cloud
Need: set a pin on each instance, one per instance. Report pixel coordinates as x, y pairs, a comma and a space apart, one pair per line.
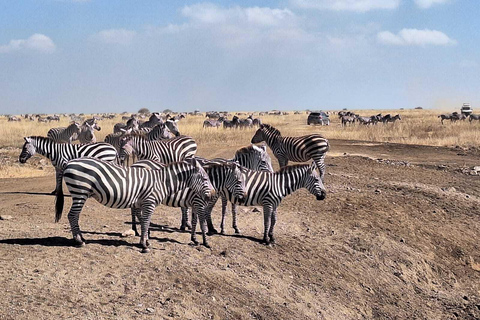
425, 4
116, 36
208, 13
36, 42
347, 5
415, 37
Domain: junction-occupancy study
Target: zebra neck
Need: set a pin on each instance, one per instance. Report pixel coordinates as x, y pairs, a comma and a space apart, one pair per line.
274, 141
288, 182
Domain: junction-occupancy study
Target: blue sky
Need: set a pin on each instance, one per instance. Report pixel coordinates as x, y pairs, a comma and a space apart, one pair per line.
61, 56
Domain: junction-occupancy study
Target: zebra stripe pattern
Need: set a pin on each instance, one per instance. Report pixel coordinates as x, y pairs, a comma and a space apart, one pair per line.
223, 175
268, 189
62, 134
164, 151
136, 188
297, 149
61, 153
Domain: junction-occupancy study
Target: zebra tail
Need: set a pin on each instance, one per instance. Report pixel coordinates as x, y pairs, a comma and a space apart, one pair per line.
59, 201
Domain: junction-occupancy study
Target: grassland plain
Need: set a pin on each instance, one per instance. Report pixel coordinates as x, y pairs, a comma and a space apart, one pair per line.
396, 237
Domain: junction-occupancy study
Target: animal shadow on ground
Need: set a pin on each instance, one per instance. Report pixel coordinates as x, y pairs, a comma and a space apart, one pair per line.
32, 193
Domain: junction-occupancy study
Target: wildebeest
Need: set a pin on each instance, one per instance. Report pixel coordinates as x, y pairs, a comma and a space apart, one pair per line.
474, 117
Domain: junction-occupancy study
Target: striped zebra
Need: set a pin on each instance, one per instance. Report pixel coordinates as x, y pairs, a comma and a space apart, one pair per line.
61, 153
298, 149
87, 133
160, 131
132, 124
223, 175
164, 151
121, 188
62, 134
251, 157
268, 189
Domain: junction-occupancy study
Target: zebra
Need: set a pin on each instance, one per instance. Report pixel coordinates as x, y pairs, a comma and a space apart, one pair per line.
132, 124
158, 132
213, 123
87, 134
473, 117
388, 118
268, 189
14, 118
298, 149
234, 123
347, 119
137, 188
222, 174
152, 121
251, 157
61, 153
62, 134
164, 151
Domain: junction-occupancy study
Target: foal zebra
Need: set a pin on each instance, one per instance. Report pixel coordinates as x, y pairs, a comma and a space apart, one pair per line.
61, 153
298, 149
137, 188
62, 134
164, 151
268, 189
223, 175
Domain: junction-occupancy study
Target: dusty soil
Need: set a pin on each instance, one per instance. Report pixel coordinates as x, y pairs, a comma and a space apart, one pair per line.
396, 238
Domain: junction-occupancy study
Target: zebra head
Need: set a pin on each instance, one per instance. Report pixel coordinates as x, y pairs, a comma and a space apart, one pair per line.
264, 162
234, 179
172, 126
265, 133
314, 183
199, 181
126, 148
28, 150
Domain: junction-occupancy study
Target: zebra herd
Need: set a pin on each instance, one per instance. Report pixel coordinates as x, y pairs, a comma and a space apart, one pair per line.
236, 122
455, 116
168, 172
347, 117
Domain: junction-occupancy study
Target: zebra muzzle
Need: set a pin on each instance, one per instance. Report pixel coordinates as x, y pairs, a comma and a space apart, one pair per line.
322, 196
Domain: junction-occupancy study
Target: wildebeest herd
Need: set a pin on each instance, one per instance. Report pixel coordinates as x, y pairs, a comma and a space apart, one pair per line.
168, 172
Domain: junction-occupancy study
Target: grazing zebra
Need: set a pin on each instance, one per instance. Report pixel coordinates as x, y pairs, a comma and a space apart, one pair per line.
164, 151
473, 117
222, 174
62, 134
298, 149
211, 123
61, 153
347, 120
268, 189
120, 188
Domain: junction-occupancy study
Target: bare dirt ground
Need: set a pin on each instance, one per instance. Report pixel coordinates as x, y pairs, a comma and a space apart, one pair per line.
396, 238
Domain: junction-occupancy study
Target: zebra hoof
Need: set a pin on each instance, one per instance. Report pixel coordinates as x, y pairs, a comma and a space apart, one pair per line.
207, 245
193, 243
145, 250
222, 232
237, 231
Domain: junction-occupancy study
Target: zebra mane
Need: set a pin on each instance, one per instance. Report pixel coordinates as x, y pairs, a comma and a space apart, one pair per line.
41, 138
292, 167
271, 129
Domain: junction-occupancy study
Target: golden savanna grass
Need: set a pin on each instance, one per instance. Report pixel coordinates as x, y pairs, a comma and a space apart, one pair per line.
416, 127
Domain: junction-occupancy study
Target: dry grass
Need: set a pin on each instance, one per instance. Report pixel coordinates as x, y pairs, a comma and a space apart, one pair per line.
416, 127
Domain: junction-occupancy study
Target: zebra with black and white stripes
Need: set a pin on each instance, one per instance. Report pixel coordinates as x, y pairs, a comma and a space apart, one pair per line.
298, 149
64, 134
222, 174
61, 153
164, 151
87, 131
120, 188
268, 189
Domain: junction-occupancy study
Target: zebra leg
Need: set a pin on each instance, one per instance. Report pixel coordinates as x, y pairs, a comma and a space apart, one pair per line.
272, 225
185, 223
267, 217
136, 212
73, 217
147, 210
224, 213
202, 215
193, 236
208, 217
234, 218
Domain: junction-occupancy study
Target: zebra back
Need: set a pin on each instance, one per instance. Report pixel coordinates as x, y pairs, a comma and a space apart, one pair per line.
62, 134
